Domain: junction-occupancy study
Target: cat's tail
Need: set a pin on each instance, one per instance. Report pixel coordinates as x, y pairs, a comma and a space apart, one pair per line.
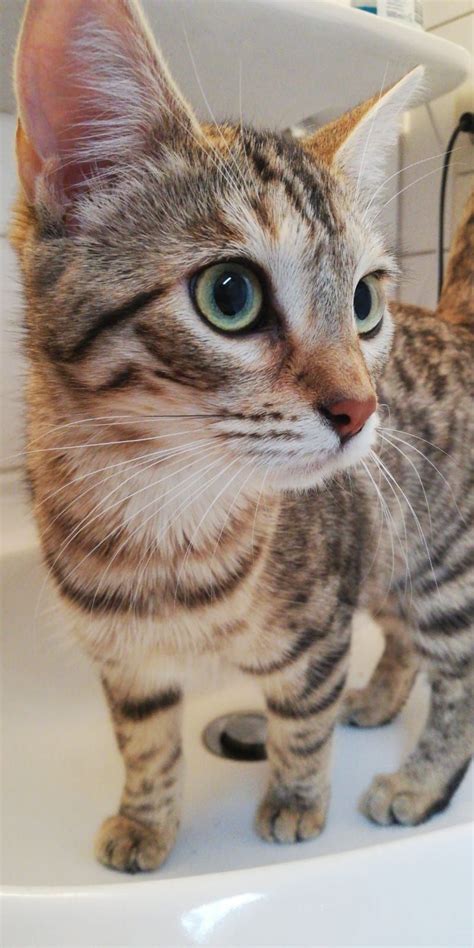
456, 304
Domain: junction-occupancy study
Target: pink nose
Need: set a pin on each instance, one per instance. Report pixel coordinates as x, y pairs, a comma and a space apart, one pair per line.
349, 416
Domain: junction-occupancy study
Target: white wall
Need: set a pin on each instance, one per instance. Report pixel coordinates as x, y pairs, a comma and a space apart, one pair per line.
426, 133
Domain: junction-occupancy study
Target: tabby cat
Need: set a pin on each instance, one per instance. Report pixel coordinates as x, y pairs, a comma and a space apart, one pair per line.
215, 430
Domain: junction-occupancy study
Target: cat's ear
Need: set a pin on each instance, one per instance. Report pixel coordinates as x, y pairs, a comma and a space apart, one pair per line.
92, 91
358, 143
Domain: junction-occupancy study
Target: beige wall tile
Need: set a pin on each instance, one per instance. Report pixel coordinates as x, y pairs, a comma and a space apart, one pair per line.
421, 142
12, 363
8, 179
419, 279
438, 11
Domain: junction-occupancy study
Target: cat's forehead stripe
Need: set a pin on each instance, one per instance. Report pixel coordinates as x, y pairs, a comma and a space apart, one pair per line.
284, 164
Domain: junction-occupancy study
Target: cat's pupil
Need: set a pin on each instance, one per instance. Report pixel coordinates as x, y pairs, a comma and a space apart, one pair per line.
231, 291
362, 300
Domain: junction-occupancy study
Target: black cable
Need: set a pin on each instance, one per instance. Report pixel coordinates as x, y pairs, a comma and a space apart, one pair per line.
465, 124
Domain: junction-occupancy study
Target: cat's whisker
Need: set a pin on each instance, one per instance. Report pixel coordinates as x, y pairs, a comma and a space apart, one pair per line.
103, 127
152, 459
102, 138
89, 519
402, 514
203, 518
100, 470
412, 164
128, 462
188, 502
241, 123
377, 547
414, 515
203, 144
367, 141
229, 512
100, 510
435, 468
123, 525
385, 407
412, 185
418, 438
120, 441
386, 517
180, 510
152, 546
260, 495
240, 177
172, 495
410, 462
404, 552
104, 420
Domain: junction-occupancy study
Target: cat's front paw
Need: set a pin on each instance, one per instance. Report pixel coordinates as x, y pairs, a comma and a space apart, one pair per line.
287, 821
130, 846
401, 798
364, 707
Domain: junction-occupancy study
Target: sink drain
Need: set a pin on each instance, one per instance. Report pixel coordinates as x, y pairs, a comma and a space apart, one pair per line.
238, 736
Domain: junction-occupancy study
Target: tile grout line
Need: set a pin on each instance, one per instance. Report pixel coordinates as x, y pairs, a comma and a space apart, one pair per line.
420, 253
453, 19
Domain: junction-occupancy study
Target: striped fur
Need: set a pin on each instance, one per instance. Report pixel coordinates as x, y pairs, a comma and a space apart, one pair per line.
190, 494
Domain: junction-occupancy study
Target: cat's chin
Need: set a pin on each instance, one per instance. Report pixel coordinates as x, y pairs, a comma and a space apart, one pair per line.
313, 472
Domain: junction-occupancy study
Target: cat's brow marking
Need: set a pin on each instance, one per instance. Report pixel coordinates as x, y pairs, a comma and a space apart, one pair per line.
111, 318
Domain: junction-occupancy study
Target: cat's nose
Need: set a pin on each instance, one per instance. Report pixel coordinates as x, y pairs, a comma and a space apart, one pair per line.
348, 416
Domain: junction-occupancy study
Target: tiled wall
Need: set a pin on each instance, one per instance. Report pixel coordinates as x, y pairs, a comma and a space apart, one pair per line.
426, 133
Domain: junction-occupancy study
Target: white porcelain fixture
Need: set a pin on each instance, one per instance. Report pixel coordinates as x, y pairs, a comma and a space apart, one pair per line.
278, 61
357, 884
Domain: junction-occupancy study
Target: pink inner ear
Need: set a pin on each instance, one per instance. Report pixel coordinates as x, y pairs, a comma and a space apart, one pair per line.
90, 87
55, 85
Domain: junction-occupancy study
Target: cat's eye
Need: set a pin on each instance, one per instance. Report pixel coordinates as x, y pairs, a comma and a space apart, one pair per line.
369, 305
229, 296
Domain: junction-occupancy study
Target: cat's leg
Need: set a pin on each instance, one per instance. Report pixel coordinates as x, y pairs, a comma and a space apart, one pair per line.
148, 730
392, 679
427, 780
302, 696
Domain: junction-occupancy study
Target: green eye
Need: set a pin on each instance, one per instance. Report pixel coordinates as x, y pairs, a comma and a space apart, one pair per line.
229, 296
369, 306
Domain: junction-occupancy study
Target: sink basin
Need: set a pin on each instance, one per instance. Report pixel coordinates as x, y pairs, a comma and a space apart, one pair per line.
356, 885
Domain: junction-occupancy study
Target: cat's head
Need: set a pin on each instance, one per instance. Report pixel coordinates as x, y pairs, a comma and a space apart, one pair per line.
178, 269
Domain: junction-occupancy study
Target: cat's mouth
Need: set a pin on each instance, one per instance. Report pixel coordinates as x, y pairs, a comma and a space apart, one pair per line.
311, 468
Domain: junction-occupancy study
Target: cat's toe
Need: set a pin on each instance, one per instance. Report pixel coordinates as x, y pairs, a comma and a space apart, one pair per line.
397, 798
286, 822
130, 846
362, 708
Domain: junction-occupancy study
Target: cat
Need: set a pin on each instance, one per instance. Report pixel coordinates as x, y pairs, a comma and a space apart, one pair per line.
216, 431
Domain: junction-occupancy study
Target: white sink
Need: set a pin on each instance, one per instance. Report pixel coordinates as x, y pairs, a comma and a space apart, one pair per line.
356, 885
278, 61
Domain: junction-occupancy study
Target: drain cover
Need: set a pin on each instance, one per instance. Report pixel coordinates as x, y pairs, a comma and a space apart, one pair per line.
238, 736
